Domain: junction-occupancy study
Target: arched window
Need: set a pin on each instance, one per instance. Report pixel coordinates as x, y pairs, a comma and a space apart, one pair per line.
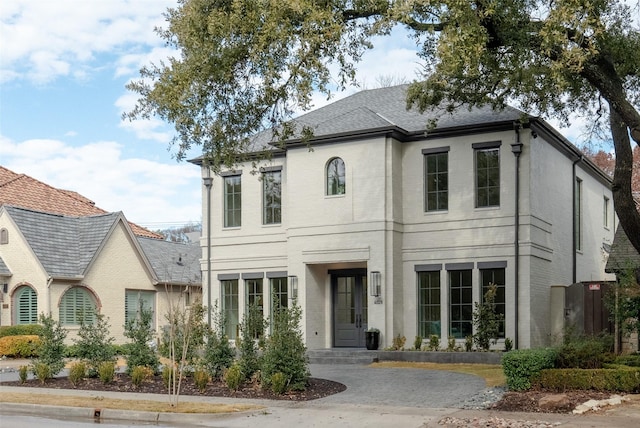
336, 177
77, 303
26, 301
4, 236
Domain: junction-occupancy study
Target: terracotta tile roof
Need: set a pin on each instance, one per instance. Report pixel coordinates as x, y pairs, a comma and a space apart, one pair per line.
23, 191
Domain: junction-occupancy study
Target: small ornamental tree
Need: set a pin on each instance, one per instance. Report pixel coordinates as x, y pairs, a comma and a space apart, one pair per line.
94, 344
51, 349
218, 353
139, 352
486, 320
251, 328
623, 302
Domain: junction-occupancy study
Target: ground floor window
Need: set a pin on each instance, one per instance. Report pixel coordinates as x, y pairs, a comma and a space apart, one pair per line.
135, 301
26, 306
76, 304
497, 277
230, 307
429, 304
460, 303
255, 305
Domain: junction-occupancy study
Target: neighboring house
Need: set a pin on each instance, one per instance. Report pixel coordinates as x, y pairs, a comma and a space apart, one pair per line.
377, 222
69, 266
20, 190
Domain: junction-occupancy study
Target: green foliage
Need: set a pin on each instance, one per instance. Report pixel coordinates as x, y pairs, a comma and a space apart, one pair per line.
51, 349
21, 330
23, 373
42, 371
106, 371
285, 350
201, 378
278, 383
139, 351
139, 374
623, 301
417, 343
508, 344
620, 379
468, 343
186, 327
397, 344
486, 321
451, 344
94, 342
218, 353
631, 360
77, 372
585, 352
233, 376
434, 342
523, 365
252, 324
168, 374
19, 346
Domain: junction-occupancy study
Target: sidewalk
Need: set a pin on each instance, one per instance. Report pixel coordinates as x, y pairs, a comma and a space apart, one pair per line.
368, 401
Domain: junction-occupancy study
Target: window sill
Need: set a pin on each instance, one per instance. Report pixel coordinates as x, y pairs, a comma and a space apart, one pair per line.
231, 228
335, 196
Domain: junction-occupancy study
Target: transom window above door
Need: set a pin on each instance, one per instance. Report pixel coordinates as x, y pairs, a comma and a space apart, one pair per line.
335, 174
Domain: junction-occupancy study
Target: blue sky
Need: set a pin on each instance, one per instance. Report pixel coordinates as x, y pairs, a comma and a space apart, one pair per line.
64, 65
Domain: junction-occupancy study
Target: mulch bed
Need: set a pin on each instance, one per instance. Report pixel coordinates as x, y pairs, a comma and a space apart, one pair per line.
529, 401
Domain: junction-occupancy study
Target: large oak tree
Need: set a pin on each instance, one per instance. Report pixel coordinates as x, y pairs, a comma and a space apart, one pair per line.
245, 65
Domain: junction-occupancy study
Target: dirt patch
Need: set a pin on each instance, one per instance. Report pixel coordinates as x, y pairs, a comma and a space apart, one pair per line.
545, 401
317, 388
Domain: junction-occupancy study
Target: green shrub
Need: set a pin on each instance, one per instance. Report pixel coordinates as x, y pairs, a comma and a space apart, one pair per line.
279, 383
251, 327
468, 343
397, 344
106, 371
77, 372
168, 373
139, 351
584, 352
486, 319
632, 360
434, 342
233, 376
451, 344
139, 374
94, 342
42, 371
618, 380
417, 343
51, 349
21, 330
23, 372
201, 378
285, 350
218, 354
24, 346
521, 366
508, 344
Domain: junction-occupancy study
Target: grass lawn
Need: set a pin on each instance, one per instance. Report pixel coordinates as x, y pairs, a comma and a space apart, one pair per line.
492, 373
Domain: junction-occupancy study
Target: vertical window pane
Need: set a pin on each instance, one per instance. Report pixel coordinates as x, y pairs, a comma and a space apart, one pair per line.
137, 300
429, 303
271, 197
460, 303
436, 181
578, 214
232, 201
487, 177
336, 183
255, 302
230, 308
496, 277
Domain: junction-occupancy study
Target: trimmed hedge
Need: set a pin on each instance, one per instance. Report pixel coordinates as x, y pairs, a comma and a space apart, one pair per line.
19, 346
521, 365
622, 379
21, 330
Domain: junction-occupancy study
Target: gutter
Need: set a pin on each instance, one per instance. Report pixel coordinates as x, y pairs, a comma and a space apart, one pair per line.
516, 149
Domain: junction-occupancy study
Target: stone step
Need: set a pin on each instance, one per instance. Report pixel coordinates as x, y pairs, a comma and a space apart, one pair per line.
341, 356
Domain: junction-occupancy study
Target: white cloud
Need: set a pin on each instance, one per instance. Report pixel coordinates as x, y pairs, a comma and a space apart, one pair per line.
146, 191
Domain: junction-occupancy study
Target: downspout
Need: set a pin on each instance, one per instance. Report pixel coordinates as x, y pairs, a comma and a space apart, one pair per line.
573, 221
516, 149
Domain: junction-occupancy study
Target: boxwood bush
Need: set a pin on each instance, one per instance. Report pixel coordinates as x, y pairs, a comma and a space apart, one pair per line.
520, 366
621, 379
21, 330
24, 346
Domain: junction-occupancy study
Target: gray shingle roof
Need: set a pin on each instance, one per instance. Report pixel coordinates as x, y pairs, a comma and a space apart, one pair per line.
4, 270
173, 262
64, 245
623, 255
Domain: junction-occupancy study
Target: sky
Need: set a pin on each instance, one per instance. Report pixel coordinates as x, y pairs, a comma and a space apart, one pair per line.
64, 65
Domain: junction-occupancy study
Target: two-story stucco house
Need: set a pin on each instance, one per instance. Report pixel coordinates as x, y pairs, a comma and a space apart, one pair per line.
376, 222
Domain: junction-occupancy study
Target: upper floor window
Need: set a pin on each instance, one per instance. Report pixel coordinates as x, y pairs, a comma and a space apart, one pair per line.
76, 304
487, 162
436, 179
578, 214
4, 236
272, 197
605, 212
232, 201
336, 177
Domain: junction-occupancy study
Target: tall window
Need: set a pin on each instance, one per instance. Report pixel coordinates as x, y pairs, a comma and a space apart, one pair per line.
77, 303
436, 180
605, 212
232, 201
496, 277
271, 197
487, 177
255, 302
137, 300
578, 215
26, 306
429, 303
230, 307
336, 177
461, 303
279, 296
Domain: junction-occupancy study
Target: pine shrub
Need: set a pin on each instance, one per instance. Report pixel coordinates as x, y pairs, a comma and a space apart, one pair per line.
139, 374
51, 349
201, 378
233, 376
23, 373
278, 383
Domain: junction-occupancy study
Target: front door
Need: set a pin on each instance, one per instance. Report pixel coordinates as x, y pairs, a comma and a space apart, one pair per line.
349, 289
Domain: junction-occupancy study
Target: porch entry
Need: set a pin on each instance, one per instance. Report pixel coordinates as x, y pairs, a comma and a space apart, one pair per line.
349, 295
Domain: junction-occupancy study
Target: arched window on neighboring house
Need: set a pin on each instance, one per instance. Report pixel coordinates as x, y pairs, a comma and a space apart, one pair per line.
335, 173
26, 305
4, 236
77, 302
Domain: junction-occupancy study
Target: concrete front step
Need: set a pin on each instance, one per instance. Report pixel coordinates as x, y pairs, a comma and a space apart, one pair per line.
341, 356
363, 356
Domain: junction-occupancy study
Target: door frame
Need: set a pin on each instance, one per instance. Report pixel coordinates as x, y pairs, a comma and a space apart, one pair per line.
358, 274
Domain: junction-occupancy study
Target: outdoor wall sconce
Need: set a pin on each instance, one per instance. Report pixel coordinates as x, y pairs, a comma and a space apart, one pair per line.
293, 286
376, 284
